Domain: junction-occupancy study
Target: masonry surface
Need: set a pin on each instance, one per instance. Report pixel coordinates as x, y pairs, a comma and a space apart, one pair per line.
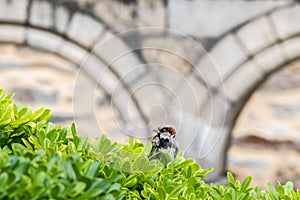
150, 76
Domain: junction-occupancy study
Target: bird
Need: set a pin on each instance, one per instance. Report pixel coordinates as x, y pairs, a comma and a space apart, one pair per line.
164, 142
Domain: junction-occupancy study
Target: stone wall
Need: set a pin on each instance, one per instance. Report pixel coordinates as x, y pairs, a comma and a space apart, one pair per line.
160, 72
266, 135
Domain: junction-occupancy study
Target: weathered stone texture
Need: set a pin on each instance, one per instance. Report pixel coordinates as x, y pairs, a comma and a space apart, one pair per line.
84, 29
41, 14
286, 21
257, 35
44, 40
14, 11
221, 61
242, 81
10, 33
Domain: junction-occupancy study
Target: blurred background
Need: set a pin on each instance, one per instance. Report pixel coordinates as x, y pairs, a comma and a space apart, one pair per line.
225, 73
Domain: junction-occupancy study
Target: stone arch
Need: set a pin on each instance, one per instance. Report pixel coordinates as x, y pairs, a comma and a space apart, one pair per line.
249, 49
72, 35
244, 58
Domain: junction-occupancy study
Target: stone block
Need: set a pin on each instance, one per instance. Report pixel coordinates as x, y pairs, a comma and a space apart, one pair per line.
10, 33
191, 95
13, 11
286, 21
100, 73
291, 48
241, 82
170, 48
120, 57
62, 17
72, 52
212, 149
220, 61
216, 110
208, 18
165, 76
44, 40
150, 94
122, 99
270, 59
257, 35
151, 13
84, 29
121, 17
41, 14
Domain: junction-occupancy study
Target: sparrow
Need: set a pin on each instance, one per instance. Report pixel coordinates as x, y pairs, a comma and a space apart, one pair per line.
164, 141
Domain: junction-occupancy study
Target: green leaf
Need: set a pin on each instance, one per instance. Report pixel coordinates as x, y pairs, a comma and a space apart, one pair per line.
9, 96
73, 130
230, 178
131, 182
246, 183
114, 187
70, 170
78, 189
177, 191
39, 178
27, 144
93, 169
126, 166
148, 148
273, 191
162, 193
2, 93
3, 181
185, 163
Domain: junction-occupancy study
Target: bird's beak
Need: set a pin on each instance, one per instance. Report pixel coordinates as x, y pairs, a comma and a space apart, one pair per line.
155, 131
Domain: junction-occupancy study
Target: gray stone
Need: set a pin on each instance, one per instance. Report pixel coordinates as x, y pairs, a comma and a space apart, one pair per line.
127, 108
241, 82
151, 13
120, 57
149, 93
170, 48
72, 52
212, 149
44, 40
32, 95
168, 59
121, 17
100, 73
84, 29
191, 95
13, 11
10, 33
270, 58
220, 61
291, 48
216, 110
169, 79
62, 16
41, 14
286, 21
207, 18
257, 35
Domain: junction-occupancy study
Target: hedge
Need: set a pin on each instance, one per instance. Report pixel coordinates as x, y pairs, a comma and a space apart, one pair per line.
40, 160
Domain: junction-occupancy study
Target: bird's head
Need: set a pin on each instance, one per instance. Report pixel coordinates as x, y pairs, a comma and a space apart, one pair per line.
165, 129
164, 135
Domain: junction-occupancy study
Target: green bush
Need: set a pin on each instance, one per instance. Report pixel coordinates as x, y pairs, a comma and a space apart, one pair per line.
42, 161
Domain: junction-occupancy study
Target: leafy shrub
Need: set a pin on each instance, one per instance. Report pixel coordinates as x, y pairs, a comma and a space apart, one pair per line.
40, 160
